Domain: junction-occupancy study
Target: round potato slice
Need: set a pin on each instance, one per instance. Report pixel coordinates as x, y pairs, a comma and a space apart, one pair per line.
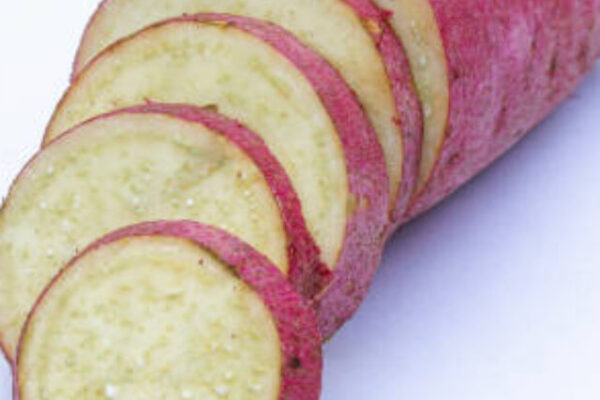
143, 164
415, 24
170, 310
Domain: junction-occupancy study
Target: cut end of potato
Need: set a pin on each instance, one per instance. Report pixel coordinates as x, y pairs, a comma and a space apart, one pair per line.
125, 168
161, 312
113, 325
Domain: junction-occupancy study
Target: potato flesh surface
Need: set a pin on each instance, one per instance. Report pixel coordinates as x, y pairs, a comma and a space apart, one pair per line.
415, 24
142, 319
205, 64
330, 27
118, 172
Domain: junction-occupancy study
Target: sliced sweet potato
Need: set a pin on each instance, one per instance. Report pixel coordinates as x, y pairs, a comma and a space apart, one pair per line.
143, 164
170, 310
351, 34
309, 118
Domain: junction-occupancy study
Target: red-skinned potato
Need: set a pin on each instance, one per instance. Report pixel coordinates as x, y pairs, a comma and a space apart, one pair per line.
290, 96
170, 310
351, 34
487, 71
144, 163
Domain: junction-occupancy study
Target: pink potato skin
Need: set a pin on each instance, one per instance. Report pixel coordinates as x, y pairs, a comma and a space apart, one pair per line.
368, 217
510, 63
294, 318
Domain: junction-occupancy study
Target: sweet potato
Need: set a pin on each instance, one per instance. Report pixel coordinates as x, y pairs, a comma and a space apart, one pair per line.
170, 310
290, 96
486, 71
506, 65
351, 34
147, 163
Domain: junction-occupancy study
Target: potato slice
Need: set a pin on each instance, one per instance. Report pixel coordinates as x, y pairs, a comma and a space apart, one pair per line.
309, 118
416, 26
170, 310
351, 34
144, 164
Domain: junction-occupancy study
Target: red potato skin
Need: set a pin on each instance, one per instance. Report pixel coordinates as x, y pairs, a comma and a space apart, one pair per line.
294, 318
368, 183
596, 32
510, 63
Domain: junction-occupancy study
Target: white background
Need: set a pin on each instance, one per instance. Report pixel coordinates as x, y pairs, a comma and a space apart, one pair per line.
493, 295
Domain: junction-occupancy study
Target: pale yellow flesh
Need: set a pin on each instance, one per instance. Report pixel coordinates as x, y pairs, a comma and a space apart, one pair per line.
141, 319
117, 172
207, 64
331, 27
416, 26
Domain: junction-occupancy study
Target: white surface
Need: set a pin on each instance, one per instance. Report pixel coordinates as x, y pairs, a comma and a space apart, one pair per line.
493, 295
